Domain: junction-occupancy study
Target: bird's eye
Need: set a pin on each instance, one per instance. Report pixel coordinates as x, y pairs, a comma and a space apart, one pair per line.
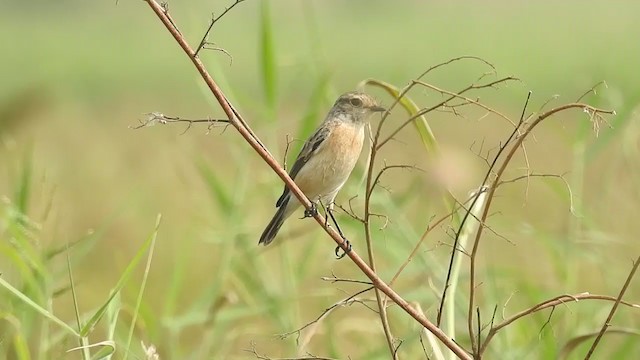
356, 102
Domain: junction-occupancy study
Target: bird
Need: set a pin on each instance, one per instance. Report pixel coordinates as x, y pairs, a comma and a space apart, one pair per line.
326, 160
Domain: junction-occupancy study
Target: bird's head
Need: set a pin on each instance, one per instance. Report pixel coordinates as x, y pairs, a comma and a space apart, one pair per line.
355, 106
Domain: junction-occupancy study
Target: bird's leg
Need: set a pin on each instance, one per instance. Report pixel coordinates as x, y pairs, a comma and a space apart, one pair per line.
346, 246
326, 217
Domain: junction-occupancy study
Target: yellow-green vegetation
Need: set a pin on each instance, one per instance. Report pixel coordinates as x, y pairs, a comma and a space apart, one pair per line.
87, 264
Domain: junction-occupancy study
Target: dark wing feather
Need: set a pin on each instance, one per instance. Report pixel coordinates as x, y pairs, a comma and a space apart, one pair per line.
307, 151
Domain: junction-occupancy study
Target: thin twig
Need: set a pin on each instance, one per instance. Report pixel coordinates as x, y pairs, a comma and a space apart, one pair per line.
592, 90
253, 351
518, 141
550, 303
407, 88
160, 118
440, 104
344, 302
423, 237
334, 279
370, 186
532, 175
204, 41
607, 322
461, 226
466, 99
376, 181
492, 188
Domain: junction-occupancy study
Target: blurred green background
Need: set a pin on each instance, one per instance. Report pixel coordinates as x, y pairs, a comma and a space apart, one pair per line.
75, 75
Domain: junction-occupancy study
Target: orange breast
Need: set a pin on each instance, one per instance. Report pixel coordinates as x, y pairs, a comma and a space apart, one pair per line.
328, 169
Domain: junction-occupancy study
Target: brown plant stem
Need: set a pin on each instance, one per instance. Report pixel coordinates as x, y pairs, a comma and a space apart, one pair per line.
382, 305
607, 322
550, 303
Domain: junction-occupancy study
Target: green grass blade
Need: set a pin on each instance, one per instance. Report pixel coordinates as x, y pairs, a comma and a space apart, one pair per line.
216, 188
143, 285
267, 57
113, 312
27, 301
470, 227
86, 354
311, 118
24, 188
107, 348
86, 329
20, 346
422, 126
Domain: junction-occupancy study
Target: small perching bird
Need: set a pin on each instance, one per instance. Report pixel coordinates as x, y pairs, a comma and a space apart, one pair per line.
326, 159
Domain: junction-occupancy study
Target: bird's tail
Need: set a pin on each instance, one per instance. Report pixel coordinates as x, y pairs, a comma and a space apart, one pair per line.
274, 225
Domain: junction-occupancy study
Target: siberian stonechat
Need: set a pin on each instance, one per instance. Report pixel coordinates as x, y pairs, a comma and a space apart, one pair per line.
326, 159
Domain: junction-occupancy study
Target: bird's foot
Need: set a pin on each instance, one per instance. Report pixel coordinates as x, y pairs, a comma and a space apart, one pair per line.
311, 212
346, 244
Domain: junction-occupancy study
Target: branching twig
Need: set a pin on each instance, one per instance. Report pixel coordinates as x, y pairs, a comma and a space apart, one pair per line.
440, 104
531, 175
412, 84
253, 351
376, 181
350, 211
515, 131
518, 141
160, 118
334, 279
422, 239
204, 41
592, 90
551, 303
466, 100
345, 302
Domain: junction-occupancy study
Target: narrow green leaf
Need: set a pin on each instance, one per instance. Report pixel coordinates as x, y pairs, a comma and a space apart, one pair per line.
420, 123
20, 346
105, 352
177, 281
25, 299
24, 188
221, 196
312, 116
107, 348
113, 312
85, 352
86, 329
142, 286
267, 57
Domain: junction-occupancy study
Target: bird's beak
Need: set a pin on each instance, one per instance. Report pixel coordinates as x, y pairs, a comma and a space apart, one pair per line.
377, 109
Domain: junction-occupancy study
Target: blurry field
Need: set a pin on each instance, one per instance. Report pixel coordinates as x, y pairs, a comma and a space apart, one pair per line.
75, 76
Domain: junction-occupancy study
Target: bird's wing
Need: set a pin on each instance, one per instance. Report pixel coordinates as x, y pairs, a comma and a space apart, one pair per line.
308, 150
